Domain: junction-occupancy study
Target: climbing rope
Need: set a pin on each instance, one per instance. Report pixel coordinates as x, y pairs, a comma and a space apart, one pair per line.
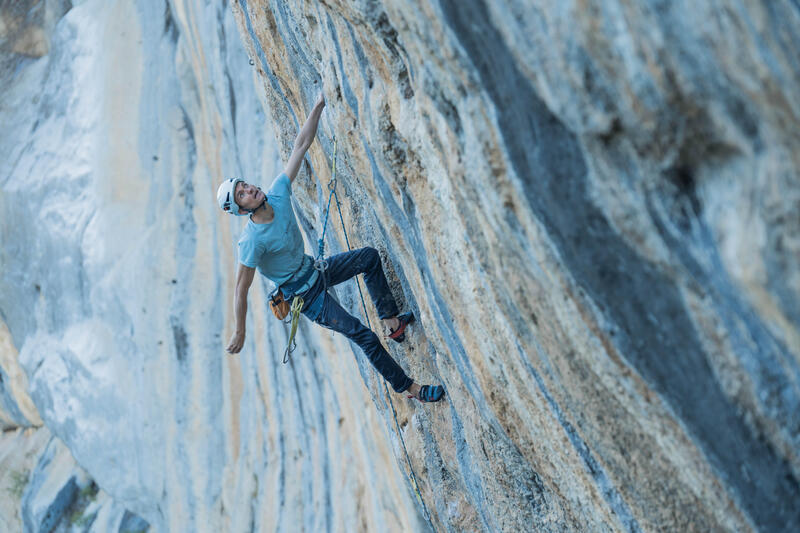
332, 187
321, 265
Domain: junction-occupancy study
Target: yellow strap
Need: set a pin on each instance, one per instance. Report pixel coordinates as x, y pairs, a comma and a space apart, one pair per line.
297, 305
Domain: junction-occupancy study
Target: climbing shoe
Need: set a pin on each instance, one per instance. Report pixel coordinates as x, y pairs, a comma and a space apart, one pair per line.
398, 334
429, 393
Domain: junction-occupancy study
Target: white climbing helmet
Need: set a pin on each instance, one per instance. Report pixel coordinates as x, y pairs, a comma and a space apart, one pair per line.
225, 197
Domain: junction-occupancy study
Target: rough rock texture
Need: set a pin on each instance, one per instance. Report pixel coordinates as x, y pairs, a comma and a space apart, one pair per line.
19, 450
116, 289
592, 207
44, 489
16, 407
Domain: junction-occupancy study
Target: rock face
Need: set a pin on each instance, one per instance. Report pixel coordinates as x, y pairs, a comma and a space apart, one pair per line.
592, 209
117, 270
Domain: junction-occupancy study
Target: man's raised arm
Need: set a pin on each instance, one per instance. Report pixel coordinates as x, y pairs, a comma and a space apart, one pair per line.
244, 278
304, 139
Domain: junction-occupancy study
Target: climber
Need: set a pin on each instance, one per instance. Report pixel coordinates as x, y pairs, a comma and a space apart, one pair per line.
271, 242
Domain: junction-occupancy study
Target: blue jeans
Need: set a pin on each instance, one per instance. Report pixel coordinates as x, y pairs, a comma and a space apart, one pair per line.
328, 313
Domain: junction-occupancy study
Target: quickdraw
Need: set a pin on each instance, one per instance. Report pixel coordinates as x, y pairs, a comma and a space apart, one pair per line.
297, 305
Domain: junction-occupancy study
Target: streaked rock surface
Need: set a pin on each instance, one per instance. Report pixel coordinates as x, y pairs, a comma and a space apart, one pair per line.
116, 289
16, 407
592, 207
45, 490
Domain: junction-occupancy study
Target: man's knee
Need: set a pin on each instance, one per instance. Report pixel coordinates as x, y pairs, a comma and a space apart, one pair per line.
362, 335
370, 258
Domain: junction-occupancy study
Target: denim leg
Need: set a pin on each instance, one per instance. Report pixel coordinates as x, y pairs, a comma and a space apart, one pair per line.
334, 317
367, 261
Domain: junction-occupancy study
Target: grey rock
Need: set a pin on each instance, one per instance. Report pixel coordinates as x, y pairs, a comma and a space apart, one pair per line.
592, 209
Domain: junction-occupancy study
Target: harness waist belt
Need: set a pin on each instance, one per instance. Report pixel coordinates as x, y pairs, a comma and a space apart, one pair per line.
307, 267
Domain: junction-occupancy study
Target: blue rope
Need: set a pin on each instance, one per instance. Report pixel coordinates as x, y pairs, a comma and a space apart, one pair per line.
332, 187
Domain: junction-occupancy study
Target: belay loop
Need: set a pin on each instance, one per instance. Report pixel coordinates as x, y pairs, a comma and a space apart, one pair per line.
322, 265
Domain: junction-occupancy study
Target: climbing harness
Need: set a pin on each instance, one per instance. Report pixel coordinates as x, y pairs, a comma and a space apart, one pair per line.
321, 265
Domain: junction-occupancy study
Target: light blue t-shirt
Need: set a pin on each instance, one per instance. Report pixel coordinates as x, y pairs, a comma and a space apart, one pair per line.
276, 249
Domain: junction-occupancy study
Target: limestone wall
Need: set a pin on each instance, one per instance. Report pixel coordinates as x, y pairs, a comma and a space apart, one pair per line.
117, 290
591, 207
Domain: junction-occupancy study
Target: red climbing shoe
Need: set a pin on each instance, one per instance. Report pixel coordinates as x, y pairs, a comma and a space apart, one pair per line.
405, 319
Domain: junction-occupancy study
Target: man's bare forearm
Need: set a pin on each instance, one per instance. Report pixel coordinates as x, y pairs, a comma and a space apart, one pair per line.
309, 130
240, 309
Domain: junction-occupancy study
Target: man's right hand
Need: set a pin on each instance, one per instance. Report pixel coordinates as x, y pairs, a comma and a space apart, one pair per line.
237, 341
244, 278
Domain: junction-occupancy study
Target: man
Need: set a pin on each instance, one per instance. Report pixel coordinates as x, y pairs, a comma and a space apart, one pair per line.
271, 242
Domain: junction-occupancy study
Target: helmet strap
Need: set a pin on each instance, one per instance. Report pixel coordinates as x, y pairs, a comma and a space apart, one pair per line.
260, 206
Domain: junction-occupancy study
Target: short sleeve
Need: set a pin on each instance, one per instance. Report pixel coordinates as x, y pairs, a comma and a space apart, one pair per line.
249, 252
282, 186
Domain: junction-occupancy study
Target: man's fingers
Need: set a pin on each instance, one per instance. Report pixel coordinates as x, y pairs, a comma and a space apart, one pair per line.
235, 344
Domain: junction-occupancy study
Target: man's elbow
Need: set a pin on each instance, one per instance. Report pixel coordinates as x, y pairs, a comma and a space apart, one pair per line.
302, 145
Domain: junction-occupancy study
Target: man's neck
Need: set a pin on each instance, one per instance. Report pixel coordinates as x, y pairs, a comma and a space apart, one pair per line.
264, 214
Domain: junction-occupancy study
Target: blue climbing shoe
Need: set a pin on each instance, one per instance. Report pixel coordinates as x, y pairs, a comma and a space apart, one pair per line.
398, 335
429, 393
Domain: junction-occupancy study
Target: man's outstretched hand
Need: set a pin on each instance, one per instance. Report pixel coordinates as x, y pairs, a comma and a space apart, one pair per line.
304, 139
237, 341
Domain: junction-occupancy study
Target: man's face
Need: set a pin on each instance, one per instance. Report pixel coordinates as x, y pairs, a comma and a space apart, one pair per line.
247, 196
